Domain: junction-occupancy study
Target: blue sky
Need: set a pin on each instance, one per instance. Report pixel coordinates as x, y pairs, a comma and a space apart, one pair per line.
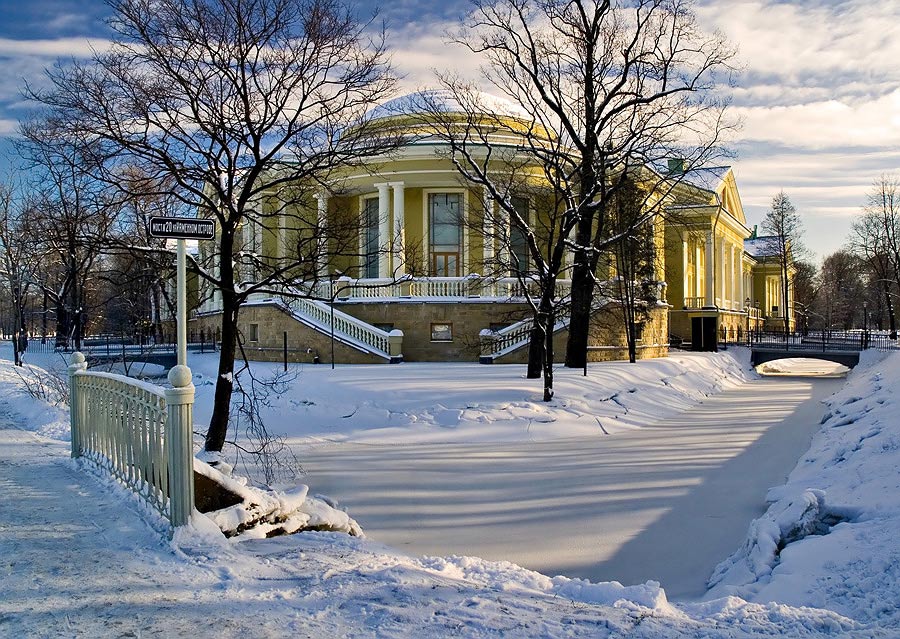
819, 93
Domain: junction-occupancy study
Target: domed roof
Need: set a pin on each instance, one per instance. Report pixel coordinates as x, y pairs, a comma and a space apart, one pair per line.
445, 102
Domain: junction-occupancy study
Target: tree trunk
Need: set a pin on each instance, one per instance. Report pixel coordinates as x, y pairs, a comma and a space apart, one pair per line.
548, 357
580, 319
218, 423
535, 352
62, 325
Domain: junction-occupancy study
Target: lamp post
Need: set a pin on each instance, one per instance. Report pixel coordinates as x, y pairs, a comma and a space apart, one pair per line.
865, 335
747, 308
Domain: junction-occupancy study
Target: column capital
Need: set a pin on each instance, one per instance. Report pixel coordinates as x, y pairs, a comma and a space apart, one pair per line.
396, 185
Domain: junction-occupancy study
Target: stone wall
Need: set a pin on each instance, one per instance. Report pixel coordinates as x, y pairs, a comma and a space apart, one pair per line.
607, 339
417, 319
304, 343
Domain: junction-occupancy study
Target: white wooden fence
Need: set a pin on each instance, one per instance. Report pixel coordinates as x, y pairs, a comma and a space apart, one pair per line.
138, 432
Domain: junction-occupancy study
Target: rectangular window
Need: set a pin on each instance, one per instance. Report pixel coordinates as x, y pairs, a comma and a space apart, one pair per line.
518, 238
370, 238
254, 332
445, 233
442, 332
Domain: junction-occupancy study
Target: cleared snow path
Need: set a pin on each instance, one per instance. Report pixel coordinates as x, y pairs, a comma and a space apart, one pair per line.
665, 503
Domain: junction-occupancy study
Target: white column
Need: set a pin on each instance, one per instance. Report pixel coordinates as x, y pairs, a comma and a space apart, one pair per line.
742, 295
770, 294
321, 236
735, 273
383, 229
487, 228
399, 238
503, 234
710, 279
720, 271
686, 280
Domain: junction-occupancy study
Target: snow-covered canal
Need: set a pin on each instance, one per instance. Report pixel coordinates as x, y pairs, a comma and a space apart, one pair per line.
664, 503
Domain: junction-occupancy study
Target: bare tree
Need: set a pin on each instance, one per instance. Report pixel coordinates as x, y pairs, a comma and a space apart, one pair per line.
806, 294
529, 247
842, 289
17, 264
876, 239
634, 261
248, 107
69, 214
615, 86
783, 230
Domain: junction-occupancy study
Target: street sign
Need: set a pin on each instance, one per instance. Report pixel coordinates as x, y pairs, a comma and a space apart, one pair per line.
182, 228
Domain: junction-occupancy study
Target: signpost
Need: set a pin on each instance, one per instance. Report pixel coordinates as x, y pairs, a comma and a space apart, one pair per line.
181, 229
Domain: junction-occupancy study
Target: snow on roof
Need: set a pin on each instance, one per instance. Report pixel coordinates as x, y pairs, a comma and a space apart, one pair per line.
446, 102
707, 178
760, 246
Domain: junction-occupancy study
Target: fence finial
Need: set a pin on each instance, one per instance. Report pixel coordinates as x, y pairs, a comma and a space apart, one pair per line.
180, 376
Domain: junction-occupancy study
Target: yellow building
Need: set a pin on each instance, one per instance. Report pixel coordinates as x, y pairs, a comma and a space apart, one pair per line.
433, 269
720, 282
419, 265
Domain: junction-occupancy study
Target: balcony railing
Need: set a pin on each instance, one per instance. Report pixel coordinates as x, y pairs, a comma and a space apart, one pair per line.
432, 288
694, 302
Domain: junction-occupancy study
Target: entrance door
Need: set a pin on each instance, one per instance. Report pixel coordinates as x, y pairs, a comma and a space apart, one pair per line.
703, 334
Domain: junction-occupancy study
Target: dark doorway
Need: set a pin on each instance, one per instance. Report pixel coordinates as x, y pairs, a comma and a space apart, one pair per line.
703, 334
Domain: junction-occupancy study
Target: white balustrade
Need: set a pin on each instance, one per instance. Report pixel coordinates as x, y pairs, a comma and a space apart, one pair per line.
345, 324
139, 433
519, 333
379, 289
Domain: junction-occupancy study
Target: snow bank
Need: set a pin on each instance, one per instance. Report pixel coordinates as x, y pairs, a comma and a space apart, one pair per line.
266, 513
787, 520
829, 537
43, 408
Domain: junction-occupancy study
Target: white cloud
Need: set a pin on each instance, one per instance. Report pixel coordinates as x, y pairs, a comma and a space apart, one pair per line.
793, 41
827, 187
56, 48
826, 123
420, 51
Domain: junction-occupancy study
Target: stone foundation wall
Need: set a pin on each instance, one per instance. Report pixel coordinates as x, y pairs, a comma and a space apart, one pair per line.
607, 342
466, 319
416, 320
305, 345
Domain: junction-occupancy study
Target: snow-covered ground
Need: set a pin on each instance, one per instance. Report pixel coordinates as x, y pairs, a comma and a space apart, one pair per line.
81, 558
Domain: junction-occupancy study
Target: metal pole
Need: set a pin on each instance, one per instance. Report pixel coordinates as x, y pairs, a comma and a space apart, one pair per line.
181, 315
285, 351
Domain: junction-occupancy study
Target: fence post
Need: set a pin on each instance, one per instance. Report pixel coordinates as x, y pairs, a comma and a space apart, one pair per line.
395, 345
75, 413
179, 437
